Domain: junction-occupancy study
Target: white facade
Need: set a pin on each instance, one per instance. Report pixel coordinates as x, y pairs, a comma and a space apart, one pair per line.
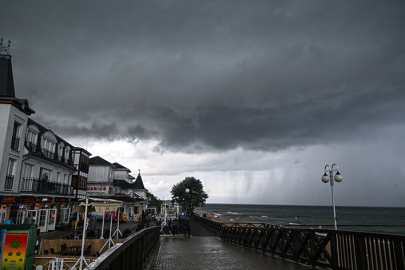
100, 174
13, 123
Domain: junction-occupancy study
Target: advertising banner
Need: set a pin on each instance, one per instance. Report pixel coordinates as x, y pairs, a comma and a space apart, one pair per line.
14, 250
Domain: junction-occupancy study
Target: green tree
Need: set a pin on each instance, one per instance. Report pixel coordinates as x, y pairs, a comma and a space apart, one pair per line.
195, 196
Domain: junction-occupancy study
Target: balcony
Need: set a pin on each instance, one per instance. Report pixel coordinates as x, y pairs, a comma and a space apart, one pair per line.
31, 184
8, 184
84, 167
15, 142
31, 146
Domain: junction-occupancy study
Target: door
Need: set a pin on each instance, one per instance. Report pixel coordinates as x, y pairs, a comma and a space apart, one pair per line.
20, 217
63, 216
2, 216
42, 220
34, 214
51, 220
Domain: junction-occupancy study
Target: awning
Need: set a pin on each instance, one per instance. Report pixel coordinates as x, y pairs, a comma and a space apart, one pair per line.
99, 205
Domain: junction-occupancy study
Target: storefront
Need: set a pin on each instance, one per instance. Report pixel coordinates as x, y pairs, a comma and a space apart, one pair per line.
46, 212
3, 213
64, 210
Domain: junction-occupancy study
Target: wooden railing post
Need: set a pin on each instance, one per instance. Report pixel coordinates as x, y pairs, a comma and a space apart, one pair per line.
334, 250
360, 248
399, 254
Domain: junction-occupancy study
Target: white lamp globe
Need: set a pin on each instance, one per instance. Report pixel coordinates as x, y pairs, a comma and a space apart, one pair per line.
338, 177
325, 178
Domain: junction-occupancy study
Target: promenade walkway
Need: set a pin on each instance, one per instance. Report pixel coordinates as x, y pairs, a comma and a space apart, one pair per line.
203, 250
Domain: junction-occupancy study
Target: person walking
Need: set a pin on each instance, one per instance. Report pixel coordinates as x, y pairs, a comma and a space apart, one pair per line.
93, 223
87, 222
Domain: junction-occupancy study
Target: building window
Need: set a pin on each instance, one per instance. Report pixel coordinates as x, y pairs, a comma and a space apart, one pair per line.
28, 180
28, 170
48, 148
32, 138
8, 184
67, 150
60, 151
15, 140
58, 177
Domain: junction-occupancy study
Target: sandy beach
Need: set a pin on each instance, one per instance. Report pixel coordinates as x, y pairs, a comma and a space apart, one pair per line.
222, 219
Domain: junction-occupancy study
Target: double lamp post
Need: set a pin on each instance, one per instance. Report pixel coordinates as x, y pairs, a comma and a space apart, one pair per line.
326, 179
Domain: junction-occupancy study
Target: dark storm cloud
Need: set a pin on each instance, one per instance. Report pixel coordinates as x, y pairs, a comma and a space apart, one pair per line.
211, 75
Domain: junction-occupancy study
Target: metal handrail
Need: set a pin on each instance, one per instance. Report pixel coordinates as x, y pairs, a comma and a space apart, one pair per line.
131, 253
316, 247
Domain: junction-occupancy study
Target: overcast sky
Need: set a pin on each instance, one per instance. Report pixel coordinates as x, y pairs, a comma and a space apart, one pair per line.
253, 98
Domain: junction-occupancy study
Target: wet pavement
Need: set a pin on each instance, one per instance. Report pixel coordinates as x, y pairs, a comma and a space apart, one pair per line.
203, 250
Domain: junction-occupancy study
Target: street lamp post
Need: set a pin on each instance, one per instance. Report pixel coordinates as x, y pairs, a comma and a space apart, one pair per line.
187, 191
326, 179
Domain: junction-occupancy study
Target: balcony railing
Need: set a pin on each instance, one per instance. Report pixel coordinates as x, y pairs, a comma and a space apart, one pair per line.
31, 146
15, 142
31, 184
8, 184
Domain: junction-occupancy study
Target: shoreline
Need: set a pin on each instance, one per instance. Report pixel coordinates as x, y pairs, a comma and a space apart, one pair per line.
224, 220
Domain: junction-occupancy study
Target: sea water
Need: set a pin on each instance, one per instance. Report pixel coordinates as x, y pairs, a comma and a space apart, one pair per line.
389, 220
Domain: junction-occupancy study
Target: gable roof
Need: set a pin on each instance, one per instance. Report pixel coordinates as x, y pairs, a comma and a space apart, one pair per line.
99, 161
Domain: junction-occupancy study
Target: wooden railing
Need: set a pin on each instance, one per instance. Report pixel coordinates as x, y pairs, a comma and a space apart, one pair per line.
330, 249
131, 253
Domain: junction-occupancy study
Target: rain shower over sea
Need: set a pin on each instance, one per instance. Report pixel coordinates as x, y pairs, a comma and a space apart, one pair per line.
390, 220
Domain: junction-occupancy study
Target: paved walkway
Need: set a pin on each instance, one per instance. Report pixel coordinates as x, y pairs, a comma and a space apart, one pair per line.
203, 250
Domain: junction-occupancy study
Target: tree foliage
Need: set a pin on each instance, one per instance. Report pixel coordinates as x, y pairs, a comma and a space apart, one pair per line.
153, 199
194, 198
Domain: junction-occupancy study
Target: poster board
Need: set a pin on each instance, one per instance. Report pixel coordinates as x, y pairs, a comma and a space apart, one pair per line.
14, 250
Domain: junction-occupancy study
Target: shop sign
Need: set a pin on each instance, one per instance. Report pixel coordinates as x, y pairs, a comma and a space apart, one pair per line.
22, 207
44, 200
14, 250
46, 206
119, 195
61, 199
96, 188
27, 199
8, 199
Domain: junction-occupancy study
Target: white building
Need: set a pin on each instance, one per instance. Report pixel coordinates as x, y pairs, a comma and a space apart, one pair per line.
113, 181
36, 165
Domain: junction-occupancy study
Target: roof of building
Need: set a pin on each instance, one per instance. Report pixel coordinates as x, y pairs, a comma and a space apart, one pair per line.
127, 199
7, 91
139, 182
99, 161
36, 151
124, 184
81, 149
119, 166
6, 78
